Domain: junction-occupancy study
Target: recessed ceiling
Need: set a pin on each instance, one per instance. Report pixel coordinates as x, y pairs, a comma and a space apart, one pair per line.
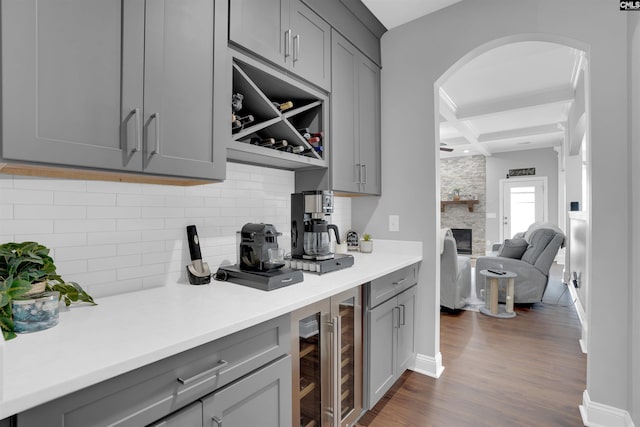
514, 97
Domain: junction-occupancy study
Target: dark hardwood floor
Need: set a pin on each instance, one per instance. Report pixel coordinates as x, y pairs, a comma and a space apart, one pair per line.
525, 371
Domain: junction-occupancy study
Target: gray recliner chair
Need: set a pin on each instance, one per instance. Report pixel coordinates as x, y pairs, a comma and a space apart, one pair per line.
530, 255
455, 273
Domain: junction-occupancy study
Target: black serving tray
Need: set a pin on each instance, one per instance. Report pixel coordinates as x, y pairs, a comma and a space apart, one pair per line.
265, 281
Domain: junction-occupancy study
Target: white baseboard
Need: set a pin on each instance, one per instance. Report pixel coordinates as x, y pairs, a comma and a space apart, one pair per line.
598, 415
582, 316
427, 365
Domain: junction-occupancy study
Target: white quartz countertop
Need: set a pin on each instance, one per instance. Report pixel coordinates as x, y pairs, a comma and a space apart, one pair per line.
124, 332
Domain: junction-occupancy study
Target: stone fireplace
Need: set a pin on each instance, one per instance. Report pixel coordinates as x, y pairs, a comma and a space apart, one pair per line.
468, 174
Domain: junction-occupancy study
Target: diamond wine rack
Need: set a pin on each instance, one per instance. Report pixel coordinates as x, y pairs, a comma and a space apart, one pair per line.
263, 89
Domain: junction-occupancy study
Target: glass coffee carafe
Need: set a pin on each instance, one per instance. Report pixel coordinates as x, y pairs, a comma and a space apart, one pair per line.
316, 239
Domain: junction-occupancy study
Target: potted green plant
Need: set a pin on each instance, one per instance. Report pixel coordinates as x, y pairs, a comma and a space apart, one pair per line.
456, 194
27, 272
366, 245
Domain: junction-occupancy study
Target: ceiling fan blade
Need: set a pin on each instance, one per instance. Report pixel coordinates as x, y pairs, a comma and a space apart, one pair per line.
446, 149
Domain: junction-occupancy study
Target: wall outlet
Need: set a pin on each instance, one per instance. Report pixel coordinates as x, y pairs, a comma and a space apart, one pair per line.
394, 222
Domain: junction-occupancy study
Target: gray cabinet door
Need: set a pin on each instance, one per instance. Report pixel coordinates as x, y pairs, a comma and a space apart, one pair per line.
262, 398
355, 119
406, 332
62, 79
260, 26
310, 45
179, 92
369, 123
345, 167
382, 334
191, 416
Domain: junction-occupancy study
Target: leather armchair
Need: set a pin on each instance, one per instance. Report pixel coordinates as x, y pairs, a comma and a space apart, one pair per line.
455, 274
542, 244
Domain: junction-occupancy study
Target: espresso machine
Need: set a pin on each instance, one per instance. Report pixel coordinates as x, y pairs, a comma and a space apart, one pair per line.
260, 260
310, 239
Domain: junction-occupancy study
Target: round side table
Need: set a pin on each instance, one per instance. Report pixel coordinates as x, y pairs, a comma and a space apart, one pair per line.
491, 306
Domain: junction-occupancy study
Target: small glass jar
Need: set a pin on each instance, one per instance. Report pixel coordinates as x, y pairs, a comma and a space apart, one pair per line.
35, 313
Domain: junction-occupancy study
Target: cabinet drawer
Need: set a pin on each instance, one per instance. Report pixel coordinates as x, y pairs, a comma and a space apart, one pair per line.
385, 287
154, 391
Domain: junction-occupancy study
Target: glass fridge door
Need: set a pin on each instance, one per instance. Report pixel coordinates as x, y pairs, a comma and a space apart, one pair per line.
348, 312
310, 384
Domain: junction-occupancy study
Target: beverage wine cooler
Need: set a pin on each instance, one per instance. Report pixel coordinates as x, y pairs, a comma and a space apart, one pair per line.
327, 361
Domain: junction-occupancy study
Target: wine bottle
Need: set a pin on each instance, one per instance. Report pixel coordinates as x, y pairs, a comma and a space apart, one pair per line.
245, 120
280, 144
283, 106
262, 142
313, 140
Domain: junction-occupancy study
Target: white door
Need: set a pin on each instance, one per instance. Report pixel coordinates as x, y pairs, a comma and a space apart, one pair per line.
523, 202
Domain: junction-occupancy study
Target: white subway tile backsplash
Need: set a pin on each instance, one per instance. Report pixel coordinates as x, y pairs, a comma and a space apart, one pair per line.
23, 226
115, 237
162, 212
49, 211
6, 211
84, 225
29, 197
114, 212
53, 240
139, 271
82, 252
140, 200
115, 262
140, 248
84, 199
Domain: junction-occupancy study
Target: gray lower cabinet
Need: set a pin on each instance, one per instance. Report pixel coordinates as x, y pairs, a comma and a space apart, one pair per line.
355, 120
285, 32
191, 416
260, 399
390, 330
116, 85
228, 367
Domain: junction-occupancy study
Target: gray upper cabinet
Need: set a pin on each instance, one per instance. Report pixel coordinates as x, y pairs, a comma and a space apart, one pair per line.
355, 118
286, 33
115, 85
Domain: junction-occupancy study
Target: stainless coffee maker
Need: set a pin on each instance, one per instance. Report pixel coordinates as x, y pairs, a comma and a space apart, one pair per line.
310, 215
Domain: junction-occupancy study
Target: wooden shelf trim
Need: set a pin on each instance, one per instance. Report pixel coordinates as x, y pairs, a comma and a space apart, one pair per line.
469, 203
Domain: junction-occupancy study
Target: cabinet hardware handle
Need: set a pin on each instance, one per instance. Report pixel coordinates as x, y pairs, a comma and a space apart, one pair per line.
215, 369
396, 325
337, 326
156, 117
287, 43
136, 112
404, 311
399, 282
218, 421
296, 47
364, 174
358, 173
286, 280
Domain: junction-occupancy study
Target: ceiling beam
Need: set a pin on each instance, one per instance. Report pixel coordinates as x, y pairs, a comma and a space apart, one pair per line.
522, 132
515, 102
448, 111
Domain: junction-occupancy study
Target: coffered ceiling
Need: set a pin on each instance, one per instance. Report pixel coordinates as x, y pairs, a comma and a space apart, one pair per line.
514, 97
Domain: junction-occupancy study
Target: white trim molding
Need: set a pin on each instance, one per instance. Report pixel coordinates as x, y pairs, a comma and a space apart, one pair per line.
598, 415
582, 316
427, 365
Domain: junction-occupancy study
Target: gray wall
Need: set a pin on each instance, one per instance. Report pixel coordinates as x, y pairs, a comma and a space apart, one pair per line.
545, 160
414, 57
634, 288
